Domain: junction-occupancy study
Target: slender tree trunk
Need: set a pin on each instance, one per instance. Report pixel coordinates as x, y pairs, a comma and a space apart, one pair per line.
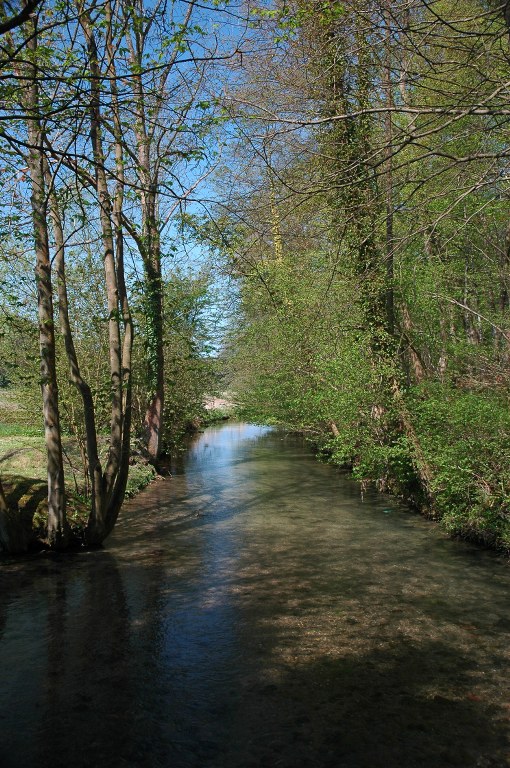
114, 478
154, 415
149, 244
93, 463
388, 151
127, 347
151, 255
57, 524
417, 366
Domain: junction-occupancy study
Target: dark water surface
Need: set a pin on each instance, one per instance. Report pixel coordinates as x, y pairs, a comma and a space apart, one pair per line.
253, 611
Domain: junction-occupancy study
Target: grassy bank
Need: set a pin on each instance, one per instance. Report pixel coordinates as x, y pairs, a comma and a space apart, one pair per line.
452, 463
24, 456
23, 470
23, 464
444, 448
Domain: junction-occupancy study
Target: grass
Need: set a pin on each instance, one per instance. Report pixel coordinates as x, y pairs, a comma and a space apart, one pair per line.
18, 430
140, 475
22, 455
23, 468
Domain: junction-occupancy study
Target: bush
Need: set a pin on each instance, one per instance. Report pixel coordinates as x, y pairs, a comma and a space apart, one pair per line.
465, 437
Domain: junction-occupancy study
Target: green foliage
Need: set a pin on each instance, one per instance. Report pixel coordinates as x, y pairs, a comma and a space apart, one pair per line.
372, 254
334, 214
466, 438
189, 372
140, 475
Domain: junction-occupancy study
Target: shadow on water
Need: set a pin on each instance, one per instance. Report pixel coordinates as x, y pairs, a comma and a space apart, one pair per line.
81, 684
251, 613
367, 712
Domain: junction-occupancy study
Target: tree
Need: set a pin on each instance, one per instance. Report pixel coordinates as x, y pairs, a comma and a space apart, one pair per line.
57, 523
72, 138
168, 132
108, 485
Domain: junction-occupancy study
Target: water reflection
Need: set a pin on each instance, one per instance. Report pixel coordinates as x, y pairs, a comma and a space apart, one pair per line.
251, 611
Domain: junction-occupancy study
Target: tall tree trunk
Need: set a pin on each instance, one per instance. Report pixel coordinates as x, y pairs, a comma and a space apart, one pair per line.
147, 119
57, 524
150, 251
355, 204
102, 520
154, 415
94, 468
388, 170
119, 489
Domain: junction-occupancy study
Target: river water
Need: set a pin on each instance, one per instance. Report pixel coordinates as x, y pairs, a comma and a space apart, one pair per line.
254, 611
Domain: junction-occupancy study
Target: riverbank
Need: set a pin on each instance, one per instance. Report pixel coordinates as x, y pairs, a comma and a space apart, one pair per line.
23, 475
442, 447
455, 470
23, 472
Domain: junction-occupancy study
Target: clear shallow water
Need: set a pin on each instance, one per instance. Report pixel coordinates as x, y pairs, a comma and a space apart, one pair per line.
253, 611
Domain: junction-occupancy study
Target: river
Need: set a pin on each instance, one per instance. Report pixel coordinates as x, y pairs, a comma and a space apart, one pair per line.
253, 611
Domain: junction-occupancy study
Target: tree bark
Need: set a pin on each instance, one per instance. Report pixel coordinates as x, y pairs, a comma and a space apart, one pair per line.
57, 524
149, 244
119, 489
150, 251
114, 478
93, 463
417, 366
388, 162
